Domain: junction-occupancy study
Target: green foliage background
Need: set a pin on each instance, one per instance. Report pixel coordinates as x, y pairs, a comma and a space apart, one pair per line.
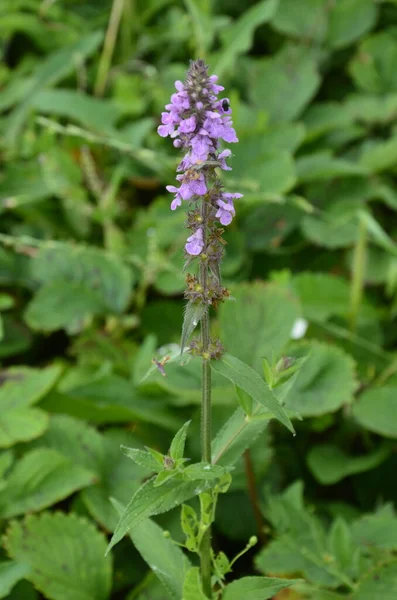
91, 289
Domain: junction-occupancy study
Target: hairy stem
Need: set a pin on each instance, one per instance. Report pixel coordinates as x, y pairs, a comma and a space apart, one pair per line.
358, 273
205, 548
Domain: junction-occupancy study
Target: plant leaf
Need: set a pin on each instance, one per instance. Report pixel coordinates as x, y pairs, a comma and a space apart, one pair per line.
257, 588
177, 447
150, 500
246, 378
193, 314
64, 554
39, 479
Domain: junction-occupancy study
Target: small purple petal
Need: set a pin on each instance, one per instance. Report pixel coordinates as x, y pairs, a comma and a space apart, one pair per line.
195, 243
175, 203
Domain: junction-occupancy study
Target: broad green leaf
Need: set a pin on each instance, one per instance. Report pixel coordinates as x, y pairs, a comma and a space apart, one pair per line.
246, 378
21, 425
194, 312
177, 447
322, 165
323, 295
62, 304
10, 573
258, 323
22, 387
65, 555
306, 20
378, 156
377, 530
324, 117
376, 73
192, 588
163, 556
237, 38
271, 82
376, 409
336, 227
329, 464
150, 500
102, 274
325, 382
256, 588
89, 111
380, 582
349, 20
115, 476
39, 479
54, 68
265, 171
236, 435
109, 398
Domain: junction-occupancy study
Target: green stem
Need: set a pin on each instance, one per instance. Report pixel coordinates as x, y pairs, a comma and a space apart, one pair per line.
358, 273
108, 47
205, 547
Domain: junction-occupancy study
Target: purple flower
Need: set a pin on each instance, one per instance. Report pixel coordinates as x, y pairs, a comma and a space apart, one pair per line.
198, 120
225, 212
195, 243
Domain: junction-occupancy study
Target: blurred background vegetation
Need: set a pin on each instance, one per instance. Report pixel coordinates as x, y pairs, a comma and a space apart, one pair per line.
91, 283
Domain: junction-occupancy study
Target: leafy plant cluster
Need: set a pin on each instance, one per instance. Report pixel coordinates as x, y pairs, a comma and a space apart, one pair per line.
91, 294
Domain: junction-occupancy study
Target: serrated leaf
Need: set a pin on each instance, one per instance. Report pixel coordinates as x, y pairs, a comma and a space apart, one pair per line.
163, 556
380, 582
341, 543
194, 312
329, 464
115, 475
65, 555
257, 588
376, 410
190, 526
177, 447
377, 530
204, 471
150, 500
259, 322
142, 458
192, 588
237, 37
325, 381
10, 573
39, 479
246, 378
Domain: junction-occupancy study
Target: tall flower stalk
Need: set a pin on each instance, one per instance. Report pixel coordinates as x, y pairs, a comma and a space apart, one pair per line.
198, 120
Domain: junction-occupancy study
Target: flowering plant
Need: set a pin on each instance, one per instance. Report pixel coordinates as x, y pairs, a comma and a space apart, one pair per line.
198, 120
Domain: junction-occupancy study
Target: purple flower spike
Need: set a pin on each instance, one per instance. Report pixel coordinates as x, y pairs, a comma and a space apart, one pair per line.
198, 120
195, 243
